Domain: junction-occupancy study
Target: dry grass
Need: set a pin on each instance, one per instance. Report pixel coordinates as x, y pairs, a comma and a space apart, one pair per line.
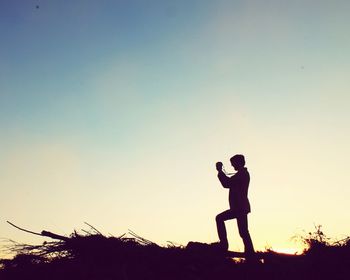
92, 255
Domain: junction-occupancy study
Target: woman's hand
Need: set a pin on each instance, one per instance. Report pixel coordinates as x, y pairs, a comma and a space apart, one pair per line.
219, 166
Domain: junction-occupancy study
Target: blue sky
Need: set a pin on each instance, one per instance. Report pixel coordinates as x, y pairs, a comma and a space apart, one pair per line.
115, 112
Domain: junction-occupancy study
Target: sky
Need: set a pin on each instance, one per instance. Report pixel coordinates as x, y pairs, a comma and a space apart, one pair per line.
115, 113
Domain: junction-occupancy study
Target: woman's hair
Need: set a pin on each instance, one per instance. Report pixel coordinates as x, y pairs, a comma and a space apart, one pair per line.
238, 160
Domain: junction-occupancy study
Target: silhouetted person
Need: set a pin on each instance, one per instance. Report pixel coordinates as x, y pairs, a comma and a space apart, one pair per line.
239, 203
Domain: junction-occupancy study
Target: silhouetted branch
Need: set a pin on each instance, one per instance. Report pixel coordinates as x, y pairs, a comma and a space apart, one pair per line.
141, 239
97, 231
54, 236
43, 233
22, 229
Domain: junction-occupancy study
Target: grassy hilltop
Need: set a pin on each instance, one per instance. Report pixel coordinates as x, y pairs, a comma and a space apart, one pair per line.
95, 256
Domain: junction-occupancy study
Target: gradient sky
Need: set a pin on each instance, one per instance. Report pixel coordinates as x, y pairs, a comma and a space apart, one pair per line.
115, 112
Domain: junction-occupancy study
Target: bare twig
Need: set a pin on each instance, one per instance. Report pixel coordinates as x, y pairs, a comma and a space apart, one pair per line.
141, 239
86, 232
97, 231
25, 230
43, 233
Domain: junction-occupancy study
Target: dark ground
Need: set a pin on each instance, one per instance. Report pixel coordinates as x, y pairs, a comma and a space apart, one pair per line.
94, 256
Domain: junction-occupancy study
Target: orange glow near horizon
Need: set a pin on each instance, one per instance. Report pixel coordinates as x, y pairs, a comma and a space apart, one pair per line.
290, 251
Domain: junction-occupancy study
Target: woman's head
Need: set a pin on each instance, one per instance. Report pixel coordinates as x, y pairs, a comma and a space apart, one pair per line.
237, 161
